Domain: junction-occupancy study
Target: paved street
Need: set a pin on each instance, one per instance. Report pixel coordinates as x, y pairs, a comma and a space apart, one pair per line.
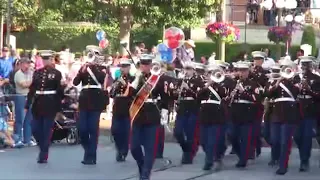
64, 163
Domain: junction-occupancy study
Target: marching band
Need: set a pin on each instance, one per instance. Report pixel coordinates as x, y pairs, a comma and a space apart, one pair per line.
211, 102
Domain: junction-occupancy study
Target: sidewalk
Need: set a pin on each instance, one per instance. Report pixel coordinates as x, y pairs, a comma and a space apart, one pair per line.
105, 125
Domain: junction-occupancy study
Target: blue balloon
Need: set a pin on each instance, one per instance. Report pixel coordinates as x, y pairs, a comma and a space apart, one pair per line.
100, 35
162, 48
166, 56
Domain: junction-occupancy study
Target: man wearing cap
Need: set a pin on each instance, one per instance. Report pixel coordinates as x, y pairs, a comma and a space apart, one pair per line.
121, 102
22, 79
93, 100
244, 98
6, 63
212, 98
45, 96
146, 119
186, 124
309, 94
258, 75
285, 115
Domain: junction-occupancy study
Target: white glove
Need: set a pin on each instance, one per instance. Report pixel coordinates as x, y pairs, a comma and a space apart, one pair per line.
164, 116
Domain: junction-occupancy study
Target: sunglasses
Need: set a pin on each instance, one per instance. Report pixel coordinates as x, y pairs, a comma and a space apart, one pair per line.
145, 63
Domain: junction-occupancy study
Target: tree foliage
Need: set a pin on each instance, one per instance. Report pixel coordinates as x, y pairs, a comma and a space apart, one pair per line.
182, 13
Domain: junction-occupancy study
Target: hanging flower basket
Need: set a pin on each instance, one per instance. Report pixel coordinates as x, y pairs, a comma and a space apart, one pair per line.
279, 34
224, 31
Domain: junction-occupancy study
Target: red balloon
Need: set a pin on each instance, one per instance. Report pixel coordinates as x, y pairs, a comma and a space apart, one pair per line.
104, 43
174, 37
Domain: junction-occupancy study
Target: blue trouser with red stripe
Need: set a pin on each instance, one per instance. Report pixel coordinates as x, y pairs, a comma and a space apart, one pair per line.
242, 141
186, 132
281, 142
256, 142
212, 139
161, 142
42, 129
89, 133
303, 138
146, 136
120, 130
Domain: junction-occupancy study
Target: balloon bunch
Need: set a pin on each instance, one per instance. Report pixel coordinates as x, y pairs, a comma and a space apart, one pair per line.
101, 37
173, 39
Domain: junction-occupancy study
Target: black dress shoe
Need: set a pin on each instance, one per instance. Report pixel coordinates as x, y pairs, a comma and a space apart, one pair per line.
273, 163
240, 165
207, 166
281, 171
186, 158
42, 161
304, 167
159, 157
120, 157
88, 162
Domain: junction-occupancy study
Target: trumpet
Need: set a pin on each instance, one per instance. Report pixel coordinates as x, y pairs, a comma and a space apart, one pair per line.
235, 91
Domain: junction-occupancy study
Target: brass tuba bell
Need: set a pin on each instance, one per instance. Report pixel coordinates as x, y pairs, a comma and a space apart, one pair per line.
287, 72
156, 69
217, 75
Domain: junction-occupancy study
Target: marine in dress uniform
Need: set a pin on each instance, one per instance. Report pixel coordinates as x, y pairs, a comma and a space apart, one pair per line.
44, 97
212, 97
145, 126
258, 74
285, 115
273, 76
120, 128
308, 96
93, 100
163, 105
244, 98
187, 125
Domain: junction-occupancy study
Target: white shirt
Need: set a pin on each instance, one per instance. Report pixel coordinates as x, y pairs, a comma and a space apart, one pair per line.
21, 77
268, 63
63, 70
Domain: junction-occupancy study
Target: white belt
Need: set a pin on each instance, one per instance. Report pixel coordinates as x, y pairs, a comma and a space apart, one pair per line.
210, 102
241, 101
304, 96
187, 98
151, 101
91, 87
46, 92
285, 99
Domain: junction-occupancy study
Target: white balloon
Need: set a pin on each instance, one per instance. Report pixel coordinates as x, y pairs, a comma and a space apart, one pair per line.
291, 4
280, 4
288, 18
267, 4
299, 19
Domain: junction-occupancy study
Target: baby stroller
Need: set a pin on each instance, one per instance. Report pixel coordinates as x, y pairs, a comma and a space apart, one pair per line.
66, 121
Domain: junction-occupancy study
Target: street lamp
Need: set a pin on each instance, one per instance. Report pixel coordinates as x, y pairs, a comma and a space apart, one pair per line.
291, 20
284, 5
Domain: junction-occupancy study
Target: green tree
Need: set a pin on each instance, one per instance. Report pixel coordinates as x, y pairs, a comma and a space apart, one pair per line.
308, 37
160, 13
